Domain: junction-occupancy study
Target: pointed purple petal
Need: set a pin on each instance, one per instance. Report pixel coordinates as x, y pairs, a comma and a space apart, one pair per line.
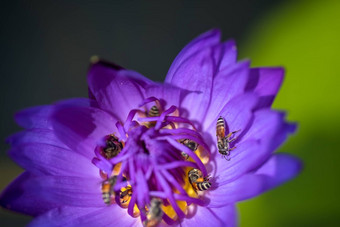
243, 188
227, 85
69, 191
17, 198
243, 158
279, 169
35, 135
34, 117
266, 82
117, 91
205, 40
225, 55
268, 132
48, 159
270, 128
196, 74
237, 113
82, 128
38, 117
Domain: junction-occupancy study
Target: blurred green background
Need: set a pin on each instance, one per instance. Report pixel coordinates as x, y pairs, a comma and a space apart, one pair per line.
305, 39
46, 45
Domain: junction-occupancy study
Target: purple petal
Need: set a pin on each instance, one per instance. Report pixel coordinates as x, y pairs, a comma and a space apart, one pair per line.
254, 150
79, 216
68, 191
196, 74
227, 85
35, 135
282, 133
117, 91
237, 113
170, 94
266, 82
205, 40
243, 158
243, 188
34, 117
38, 117
225, 55
103, 164
82, 128
17, 198
203, 216
270, 128
279, 169
53, 160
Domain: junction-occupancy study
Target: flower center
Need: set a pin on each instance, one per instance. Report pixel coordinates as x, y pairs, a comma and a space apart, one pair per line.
154, 166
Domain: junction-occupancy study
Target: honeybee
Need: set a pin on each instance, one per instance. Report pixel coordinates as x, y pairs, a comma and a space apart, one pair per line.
107, 189
112, 148
153, 112
125, 196
192, 145
155, 213
223, 141
197, 181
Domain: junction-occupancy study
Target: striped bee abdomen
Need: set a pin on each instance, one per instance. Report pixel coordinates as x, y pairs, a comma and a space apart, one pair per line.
154, 111
106, 193
107, 198
220, 128
203, 185
107, 189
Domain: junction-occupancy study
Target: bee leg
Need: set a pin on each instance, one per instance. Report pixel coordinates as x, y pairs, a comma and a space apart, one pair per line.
229, 135
232, 140
236, 131
232, 133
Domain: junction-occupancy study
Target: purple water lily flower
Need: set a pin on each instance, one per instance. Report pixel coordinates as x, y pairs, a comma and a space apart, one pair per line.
137, 152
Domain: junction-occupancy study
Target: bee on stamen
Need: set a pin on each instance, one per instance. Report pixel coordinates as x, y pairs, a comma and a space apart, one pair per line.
153, 112
197, 181
112, 148
223, 141
107, 189
192, 145
125, 196
155, 213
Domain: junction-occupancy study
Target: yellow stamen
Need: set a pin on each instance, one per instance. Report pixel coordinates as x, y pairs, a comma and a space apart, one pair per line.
169, 210
202, 154
116, 169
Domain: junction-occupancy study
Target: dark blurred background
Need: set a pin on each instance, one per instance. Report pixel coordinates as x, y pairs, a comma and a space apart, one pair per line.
45, 48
